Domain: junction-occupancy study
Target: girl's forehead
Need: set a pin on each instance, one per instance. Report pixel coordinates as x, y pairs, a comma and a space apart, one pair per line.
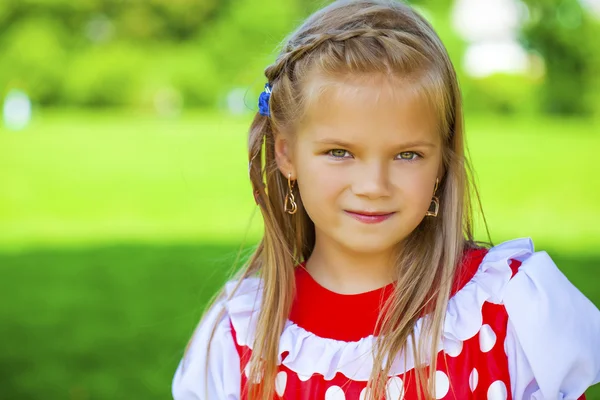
370, 103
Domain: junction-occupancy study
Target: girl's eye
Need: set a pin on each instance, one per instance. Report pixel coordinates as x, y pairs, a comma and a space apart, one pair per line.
339, 153
408, 155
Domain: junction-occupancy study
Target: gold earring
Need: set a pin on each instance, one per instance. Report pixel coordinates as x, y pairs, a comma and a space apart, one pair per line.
289, 204
435, 202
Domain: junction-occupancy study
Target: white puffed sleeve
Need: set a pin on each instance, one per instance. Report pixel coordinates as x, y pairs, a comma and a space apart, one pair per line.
218, 377
553, 334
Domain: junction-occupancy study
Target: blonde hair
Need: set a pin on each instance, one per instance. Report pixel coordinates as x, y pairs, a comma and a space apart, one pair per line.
346, 38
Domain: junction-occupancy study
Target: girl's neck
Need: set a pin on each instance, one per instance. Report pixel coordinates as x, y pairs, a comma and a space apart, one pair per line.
345, 271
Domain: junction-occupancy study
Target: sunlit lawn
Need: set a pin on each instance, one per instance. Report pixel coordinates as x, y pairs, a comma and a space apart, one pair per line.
116, 229
74, 178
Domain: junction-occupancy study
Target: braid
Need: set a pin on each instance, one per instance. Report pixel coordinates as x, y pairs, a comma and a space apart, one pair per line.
308, 43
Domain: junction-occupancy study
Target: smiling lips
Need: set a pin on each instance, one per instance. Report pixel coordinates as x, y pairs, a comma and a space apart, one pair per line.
368, 217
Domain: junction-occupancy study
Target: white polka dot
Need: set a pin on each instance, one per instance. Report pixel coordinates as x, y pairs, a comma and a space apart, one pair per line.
473, 379
487, 338
364, 394
442, 384
394, 389
303, 377
506, 346
335, 393
453, 348
247, 372
497, 391
280, 382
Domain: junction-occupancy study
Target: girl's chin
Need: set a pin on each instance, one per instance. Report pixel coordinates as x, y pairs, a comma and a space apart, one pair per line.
367, 246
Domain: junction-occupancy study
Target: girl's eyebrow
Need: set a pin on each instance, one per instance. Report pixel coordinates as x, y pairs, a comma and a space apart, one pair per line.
341, 143
336, 142
418, 143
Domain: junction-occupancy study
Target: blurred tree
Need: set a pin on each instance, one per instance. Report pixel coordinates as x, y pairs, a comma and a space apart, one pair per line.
122, 53
33, 57
243, 41
126, 53
184, 19
102, 76
565, 36
501, 93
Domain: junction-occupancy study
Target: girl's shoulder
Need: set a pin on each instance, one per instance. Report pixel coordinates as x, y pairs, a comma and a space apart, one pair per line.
525, 284
549, 330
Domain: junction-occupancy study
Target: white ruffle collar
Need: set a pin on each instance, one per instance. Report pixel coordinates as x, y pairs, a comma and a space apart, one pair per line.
309, 354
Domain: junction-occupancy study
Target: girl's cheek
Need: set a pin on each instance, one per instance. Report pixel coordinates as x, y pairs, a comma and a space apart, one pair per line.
333, 179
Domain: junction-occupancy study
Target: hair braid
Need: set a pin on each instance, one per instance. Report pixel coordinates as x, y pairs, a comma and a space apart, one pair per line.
305, 45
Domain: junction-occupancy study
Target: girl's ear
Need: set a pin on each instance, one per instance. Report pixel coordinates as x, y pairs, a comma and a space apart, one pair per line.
283, 155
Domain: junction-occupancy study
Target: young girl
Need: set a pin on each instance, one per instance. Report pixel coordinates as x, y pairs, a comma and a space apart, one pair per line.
368, 283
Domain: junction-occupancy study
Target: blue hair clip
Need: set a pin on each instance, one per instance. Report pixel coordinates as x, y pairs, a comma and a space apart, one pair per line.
263, 101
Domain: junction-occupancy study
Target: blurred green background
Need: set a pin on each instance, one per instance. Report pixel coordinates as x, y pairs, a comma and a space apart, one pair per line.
124, 198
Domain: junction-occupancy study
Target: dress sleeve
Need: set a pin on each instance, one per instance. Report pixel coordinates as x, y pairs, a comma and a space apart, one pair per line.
553, 333
203, 375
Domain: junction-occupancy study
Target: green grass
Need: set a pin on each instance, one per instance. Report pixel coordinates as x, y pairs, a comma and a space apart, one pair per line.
116, 229
102, 323
76, 178
79, 178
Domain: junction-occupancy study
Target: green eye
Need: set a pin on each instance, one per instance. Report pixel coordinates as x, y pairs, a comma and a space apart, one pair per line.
338, 153
408, 155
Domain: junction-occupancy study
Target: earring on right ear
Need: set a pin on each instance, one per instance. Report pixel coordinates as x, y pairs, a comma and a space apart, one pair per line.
289, 204
435, 202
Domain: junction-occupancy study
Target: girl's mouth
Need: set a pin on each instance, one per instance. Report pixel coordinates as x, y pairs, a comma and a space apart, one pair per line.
369, 217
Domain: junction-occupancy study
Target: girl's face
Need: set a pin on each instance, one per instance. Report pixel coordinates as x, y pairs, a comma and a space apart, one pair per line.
366, 159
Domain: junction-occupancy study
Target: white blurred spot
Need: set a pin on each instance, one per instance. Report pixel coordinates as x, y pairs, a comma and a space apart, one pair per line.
485, 58
236, 102
168, 102
491, 27
17, 110
593, 6
477, 20
99, 29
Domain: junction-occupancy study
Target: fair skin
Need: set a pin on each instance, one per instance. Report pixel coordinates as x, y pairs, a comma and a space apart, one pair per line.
366, 158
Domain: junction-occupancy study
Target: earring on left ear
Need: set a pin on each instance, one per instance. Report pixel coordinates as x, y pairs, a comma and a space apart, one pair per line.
435, 202
289, 204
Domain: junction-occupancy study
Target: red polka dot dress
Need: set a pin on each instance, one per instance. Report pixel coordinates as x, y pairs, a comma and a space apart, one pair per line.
515, 328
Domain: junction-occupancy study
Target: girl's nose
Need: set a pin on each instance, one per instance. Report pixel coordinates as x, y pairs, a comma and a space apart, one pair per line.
371, 180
